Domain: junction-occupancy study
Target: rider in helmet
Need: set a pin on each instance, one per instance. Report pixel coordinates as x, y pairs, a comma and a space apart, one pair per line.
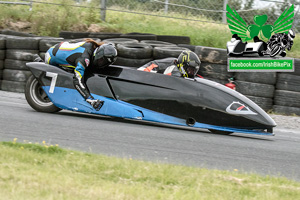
76, 57
186, 65
285, 41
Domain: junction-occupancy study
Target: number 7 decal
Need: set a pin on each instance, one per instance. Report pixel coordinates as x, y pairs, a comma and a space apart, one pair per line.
53, 81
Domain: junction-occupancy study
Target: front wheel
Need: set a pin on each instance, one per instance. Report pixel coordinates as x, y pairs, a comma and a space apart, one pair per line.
275, 50
37, 97
220, 132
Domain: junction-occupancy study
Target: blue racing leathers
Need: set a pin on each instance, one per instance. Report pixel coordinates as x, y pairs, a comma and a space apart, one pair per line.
74, 57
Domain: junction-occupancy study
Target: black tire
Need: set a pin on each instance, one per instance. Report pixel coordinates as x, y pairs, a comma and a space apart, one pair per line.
15, 64
13, 86
104, 36
220, 132
155, 43
287, 98
73, 35
275, 51
190, 47
15, 75
37, 98
255, 89
220, 76
45, 44
174, 39
263, 102
257, 77
2, 42
214, 68
29, 43
296, 67
120, 40
16, 33
1, 64
42, 55
286, 110
139, 36
134, 50
2, 54
132, 62
211, 55
21, 54
288, 82
167, 51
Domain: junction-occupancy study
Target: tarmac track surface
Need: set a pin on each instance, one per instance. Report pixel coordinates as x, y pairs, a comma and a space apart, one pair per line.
267, 155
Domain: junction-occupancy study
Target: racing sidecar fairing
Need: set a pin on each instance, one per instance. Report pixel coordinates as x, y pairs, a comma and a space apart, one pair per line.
239, 48
134, 94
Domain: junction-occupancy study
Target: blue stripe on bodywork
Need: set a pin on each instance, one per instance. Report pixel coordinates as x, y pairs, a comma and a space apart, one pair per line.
70, 99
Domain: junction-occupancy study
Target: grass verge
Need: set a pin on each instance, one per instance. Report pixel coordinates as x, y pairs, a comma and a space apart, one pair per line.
31, 171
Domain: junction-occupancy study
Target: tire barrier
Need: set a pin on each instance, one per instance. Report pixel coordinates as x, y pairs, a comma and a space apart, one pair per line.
134, 50
131, 62
288, 82
257, 77
155, 43
30, 43
188, 46
117, 41
215, 72
16, 33
265, 103
19, 51
212, 55
257, 86
167, 51
104, 36
2, 56
287, 98
277, 91
286, 110
45, 44
255, 89
139, 36
174, 39
73, 35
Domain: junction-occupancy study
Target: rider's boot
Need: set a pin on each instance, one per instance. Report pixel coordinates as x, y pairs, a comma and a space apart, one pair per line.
96, 103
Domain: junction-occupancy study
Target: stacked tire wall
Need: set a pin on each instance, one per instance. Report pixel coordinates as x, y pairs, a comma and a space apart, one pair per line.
287, 93
19, 51
2, 57
279, 92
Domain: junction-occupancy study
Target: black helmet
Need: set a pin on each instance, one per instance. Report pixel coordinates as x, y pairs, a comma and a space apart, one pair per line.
188, 64
104, 55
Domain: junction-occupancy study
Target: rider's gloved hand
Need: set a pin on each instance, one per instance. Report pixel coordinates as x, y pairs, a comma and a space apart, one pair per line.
96, 103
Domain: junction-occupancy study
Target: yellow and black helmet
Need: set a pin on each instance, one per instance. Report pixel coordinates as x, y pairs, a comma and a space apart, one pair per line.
188, 64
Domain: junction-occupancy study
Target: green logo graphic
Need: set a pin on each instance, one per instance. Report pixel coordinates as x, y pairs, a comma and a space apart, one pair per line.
238, 26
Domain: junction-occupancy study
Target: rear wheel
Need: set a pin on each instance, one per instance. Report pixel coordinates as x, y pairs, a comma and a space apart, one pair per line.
220, 132
37, 97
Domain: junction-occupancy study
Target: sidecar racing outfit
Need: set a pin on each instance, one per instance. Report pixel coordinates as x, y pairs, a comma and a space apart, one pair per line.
76, 57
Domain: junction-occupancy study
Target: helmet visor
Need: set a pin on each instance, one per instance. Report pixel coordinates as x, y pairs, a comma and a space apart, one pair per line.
192, 69
104, 61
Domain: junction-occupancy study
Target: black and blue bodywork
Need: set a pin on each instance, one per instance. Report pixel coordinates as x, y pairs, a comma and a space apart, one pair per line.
133, 94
